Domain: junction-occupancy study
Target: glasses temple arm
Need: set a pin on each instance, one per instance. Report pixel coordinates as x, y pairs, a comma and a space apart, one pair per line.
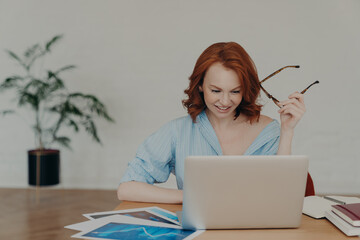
304, 91
276, 72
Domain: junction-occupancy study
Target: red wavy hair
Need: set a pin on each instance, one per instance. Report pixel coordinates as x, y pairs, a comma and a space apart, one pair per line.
231, 55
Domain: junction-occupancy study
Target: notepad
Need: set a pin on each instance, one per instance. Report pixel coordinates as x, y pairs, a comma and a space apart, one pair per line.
348, 212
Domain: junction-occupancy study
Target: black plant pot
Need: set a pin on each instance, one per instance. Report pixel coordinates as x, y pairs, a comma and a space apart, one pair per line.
44, 167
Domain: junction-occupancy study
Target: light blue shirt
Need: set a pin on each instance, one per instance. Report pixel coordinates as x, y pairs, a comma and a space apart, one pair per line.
164, 151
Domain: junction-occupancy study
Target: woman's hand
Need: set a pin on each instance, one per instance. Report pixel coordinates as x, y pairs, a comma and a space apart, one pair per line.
291, 111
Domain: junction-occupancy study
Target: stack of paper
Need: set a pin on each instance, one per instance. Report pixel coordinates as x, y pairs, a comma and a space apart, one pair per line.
320, 207
316, 206
343, 225
139, 223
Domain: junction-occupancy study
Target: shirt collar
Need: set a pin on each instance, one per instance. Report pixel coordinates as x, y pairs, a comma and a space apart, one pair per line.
208, 132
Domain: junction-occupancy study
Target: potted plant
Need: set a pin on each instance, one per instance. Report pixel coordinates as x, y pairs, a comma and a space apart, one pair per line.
54, 109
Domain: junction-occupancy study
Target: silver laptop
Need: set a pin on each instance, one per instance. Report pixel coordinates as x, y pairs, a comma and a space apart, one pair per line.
232, 192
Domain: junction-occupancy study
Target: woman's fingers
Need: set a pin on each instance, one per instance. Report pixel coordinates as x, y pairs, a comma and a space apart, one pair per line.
296, 98
292, 110
294, 101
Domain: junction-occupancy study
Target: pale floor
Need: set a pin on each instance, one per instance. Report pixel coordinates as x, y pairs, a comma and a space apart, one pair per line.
23, 217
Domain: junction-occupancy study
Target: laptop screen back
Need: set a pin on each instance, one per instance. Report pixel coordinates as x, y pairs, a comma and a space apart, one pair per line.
231, 192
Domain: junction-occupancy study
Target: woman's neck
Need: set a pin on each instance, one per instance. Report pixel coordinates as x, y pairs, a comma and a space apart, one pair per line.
225, 123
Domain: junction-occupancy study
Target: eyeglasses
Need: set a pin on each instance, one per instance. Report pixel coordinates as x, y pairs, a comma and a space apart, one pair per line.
276, 72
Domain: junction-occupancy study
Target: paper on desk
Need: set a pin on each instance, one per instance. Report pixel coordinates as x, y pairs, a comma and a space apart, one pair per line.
315, 206
84, 226
124, 227
344, 226
149, 213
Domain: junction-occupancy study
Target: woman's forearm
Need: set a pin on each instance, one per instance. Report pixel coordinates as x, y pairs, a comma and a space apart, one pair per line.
285, 142
143, 192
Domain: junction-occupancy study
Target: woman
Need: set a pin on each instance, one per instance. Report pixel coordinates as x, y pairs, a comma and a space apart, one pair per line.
224, 119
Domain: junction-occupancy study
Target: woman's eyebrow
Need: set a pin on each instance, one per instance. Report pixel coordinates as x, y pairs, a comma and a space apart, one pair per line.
238, 87
214, 86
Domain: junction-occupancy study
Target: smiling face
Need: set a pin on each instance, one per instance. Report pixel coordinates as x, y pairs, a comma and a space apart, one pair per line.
222, 91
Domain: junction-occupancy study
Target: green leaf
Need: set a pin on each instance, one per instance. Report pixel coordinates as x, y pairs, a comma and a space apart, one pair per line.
28, 98
56, 84
67, 108
90, 128
49, 44
73, 124
94, 104
64, 141
72, 109
31, 51
75, 95
69, 67
14, 56
55, 109
10, 82
31, 60
35, 84
5, 112
38, 88
51, 75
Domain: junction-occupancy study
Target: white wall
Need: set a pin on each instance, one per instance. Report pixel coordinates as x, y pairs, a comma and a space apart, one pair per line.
136, 56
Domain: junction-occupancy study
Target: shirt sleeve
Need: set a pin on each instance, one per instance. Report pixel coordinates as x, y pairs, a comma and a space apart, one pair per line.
268, 143
271, 147
154, 159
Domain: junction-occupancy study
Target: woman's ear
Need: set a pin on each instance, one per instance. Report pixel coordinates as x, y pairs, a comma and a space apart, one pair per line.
200, 89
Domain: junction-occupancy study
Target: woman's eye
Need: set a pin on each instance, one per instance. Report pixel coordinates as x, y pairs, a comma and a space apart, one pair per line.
236, 92
215, 91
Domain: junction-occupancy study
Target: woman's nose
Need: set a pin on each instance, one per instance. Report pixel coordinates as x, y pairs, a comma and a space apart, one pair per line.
225, 99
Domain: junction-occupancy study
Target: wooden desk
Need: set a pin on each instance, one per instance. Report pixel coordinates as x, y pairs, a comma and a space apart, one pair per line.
310, 228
